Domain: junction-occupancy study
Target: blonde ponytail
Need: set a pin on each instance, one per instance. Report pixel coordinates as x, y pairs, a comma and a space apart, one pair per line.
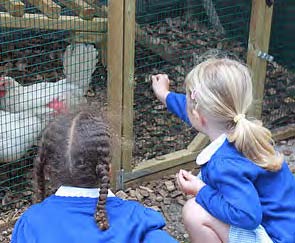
222, 90
255, 142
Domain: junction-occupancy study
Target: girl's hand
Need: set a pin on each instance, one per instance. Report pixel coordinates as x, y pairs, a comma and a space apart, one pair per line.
160, 84
188, 183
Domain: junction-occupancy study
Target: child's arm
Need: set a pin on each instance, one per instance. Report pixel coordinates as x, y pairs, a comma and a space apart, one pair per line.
158, 235
151, 224
232, 197
22, 232
176, 103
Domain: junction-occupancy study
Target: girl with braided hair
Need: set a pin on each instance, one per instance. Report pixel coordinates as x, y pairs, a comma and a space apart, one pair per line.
75, 154
245, 192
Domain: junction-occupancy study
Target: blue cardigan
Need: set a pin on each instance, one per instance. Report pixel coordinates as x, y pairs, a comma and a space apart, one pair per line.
61, 219
240, 193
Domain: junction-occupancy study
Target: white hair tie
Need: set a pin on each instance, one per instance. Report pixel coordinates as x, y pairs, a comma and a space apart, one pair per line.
193, 94
239, 117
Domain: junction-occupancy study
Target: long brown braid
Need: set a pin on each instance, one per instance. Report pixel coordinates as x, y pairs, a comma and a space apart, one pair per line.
75, 151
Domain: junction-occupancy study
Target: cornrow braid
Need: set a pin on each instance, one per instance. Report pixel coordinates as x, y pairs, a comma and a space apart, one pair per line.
76, 151
39, 176
100, 214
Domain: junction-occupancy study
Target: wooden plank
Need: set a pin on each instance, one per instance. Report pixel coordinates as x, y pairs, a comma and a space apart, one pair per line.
284, 132
135, 179
115, 82
165, 51
166, 161
259, 36
198, 143
100, 11
47, 7
88, 37
14, 7
39, 21
81, 8
170, 162
128, 79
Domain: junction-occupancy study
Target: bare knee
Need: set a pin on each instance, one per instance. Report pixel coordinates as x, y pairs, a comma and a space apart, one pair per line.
200, 224
193, 213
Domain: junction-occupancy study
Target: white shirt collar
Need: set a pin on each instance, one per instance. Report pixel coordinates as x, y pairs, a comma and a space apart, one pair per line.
69, 191
210, 150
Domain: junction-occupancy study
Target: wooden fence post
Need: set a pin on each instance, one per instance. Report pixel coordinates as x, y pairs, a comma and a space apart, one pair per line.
259, 36
115, 81
121, 39
128, 84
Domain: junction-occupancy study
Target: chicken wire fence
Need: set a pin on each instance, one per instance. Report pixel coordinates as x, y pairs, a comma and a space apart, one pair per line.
51, 61
279, 95
171, 37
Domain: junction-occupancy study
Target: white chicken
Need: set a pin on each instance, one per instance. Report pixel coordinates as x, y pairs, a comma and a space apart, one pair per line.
79, 64
18, 132
27, 109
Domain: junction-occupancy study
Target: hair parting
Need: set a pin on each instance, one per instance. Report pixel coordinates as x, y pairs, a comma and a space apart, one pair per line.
75, 150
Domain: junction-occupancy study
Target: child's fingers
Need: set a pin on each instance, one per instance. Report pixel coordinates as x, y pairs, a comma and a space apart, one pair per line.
177, 181
159, 77
188, 175
181, 180
185, 174
153, 78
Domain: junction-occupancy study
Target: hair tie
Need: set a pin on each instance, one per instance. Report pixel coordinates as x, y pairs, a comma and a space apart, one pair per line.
238, 117
193, 94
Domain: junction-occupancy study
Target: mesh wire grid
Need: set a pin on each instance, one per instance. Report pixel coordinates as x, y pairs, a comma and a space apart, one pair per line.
171, 38
279, 95
34, 58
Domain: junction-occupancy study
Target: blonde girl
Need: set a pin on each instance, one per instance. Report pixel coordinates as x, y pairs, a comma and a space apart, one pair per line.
246, 192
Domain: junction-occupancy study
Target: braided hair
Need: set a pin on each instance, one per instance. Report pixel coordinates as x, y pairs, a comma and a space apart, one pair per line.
75, 151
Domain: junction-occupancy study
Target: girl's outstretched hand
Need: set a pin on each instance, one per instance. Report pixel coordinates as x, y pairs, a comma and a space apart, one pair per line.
188, 183
160, 84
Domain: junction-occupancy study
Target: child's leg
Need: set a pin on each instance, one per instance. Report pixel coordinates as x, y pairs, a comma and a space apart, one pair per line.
202, 226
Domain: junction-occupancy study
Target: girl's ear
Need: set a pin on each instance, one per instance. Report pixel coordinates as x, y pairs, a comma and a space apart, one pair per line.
199, 117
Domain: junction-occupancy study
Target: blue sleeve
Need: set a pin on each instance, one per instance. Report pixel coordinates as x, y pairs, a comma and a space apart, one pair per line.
154, 223
158, 236
233, 198
176, 103
22, 232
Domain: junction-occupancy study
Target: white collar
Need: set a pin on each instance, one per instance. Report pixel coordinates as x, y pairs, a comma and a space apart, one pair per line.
70, 191
210, 150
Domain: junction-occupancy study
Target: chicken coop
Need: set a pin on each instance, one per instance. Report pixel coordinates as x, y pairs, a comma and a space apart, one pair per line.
103, 52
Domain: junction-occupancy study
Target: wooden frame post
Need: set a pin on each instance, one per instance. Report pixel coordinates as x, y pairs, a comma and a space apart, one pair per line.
121, 38
259, 37
115, 81
128, 85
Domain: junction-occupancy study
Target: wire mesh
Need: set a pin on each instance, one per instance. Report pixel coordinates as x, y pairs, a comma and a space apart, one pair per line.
279, 96
51, 61
171, 37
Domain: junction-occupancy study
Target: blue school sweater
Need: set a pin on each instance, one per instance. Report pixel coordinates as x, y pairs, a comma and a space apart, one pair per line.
242, 194
60, 219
